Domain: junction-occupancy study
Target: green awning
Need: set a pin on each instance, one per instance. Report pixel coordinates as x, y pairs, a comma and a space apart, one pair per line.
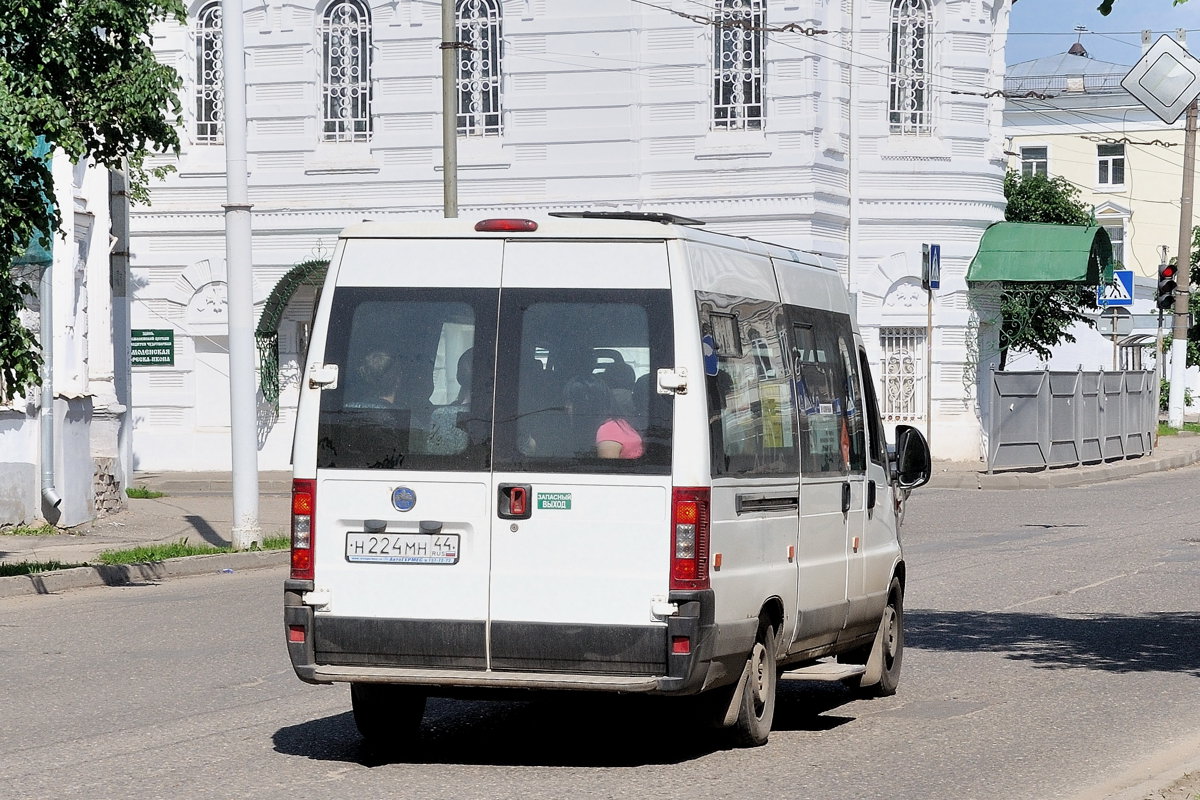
1040, 252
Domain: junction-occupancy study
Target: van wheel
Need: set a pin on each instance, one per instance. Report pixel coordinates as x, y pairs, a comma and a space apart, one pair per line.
757, 709
387, 714
888, 649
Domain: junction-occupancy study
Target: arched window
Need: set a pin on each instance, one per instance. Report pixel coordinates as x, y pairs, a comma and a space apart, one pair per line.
346, 71
908, 79
738, 64
478, 67
210, 91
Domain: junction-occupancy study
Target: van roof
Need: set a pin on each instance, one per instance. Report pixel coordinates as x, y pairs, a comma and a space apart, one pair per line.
643, 226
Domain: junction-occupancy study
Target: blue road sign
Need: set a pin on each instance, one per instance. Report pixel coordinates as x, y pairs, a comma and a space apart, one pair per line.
1117, 293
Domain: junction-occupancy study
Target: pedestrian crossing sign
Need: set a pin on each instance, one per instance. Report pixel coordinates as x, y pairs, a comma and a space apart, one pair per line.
1118, 292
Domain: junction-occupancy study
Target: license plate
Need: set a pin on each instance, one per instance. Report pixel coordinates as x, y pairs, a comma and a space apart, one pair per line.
402, 548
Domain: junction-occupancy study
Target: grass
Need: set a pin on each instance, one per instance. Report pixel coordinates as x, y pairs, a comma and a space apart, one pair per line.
33, 567
25, 530
1166, 430
160, 552
142, 493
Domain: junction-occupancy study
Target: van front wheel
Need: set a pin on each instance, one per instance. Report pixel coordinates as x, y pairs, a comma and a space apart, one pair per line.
756, 711
387, 714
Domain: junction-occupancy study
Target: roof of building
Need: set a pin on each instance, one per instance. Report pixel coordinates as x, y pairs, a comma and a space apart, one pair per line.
1065, 71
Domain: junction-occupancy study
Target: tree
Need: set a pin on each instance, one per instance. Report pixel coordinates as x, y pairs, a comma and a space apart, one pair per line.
1036, 316
80, 75
1105, 7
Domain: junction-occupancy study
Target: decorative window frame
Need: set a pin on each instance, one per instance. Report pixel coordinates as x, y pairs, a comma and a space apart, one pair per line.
480, 102
208, 91
910, 99
346, 56
738, 65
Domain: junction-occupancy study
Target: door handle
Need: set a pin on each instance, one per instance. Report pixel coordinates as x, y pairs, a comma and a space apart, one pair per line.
846, 497
514, 501
872, 491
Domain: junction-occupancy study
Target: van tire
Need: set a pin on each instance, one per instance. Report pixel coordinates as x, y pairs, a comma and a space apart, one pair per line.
756, 711
887, 653
386, 714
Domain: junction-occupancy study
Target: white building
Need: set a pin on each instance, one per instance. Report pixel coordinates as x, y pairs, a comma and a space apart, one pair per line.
72, 316
858, 129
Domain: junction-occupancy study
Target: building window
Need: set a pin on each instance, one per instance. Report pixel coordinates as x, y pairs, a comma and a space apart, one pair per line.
903, 374
1116, 234
908, 78
738, 64
346, 71
478, 67
1111, 159
1034, 161
210, 92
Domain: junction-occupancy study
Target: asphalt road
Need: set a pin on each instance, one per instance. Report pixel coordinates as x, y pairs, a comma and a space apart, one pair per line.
1052, 653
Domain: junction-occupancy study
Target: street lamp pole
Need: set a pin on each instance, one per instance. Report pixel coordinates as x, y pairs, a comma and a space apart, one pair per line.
1179, 328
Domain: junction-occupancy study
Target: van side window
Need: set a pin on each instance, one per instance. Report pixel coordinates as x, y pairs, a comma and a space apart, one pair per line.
575, 386
875, 441
416, 379
752, 428
828, 394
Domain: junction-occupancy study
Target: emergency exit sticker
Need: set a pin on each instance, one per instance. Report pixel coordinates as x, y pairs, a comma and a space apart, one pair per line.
554, 501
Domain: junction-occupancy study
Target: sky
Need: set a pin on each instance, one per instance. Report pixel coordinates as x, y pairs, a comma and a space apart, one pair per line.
1047, 27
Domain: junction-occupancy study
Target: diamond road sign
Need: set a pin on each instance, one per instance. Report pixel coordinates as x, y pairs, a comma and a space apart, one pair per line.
1117, 293
1165, 80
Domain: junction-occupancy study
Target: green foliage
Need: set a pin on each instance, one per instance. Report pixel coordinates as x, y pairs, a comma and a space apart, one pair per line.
33, 567
160, 552
25, 530
142, 493
1164, 394
1193, 338
1036, 316
80, 74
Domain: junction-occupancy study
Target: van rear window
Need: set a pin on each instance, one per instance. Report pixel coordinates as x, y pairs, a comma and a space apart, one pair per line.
415, 381
575, 388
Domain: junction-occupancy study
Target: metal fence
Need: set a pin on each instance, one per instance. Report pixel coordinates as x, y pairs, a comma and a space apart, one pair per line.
1062, 419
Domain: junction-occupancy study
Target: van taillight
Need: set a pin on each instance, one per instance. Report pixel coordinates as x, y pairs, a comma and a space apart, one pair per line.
304, 533
689, 538
506, 225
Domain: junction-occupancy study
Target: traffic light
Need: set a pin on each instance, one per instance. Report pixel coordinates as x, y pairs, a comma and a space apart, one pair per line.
1165, 298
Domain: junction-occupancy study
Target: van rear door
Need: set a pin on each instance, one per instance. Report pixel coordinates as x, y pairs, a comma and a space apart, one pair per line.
580, 542
404, 494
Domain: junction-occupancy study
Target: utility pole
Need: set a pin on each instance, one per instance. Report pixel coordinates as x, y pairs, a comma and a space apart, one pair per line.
243, 433
1183, 258
449, 48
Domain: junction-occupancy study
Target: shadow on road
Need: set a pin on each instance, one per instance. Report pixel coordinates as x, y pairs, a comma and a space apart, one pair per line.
206, 531
605, 731
1160, 642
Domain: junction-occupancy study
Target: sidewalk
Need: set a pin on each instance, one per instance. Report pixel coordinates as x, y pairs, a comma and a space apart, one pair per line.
198, 506
1171, 452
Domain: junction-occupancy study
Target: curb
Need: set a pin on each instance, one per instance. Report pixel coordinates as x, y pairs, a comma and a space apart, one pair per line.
133, 574
1067, 477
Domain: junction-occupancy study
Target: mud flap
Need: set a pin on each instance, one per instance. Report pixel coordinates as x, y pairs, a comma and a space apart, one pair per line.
735, 701
874, 671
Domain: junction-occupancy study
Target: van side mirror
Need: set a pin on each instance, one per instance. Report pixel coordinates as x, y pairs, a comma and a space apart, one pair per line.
913, 466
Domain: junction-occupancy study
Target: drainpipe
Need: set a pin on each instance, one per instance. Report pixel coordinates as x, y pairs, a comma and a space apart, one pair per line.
50, 495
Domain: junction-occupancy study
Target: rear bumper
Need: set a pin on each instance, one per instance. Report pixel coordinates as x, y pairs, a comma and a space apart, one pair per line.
556, 657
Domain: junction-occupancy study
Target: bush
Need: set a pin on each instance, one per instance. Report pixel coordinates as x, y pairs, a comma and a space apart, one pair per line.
1164, 395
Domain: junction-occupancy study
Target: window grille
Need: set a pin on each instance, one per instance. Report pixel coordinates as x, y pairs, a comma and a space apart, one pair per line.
1116, 234
903, 374
346, 71
478, 67
1111, 159
1035, 161
908, 79
738, 64
210, 72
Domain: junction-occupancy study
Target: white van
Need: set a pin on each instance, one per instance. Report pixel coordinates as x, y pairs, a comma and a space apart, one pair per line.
603, 452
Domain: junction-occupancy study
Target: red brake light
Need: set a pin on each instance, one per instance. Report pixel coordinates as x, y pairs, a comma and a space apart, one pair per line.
304, 502
689, 538
506, 226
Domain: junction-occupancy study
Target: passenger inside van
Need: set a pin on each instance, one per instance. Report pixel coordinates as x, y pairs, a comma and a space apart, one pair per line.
446, 436
590, 407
